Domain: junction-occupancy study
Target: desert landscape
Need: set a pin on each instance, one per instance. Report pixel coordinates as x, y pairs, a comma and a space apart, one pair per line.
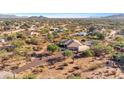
39, 47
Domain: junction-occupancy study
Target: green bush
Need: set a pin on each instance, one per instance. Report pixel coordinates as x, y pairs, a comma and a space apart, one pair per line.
68, 53
33, 41
55, 34
88, 53
50, 37
30, 76
99, 35
43, 31
17, 43
25, 26
119, 57
20, 35
3, 53
53, 48
21, 51
101, 49
119, 39
108, 49
74, 77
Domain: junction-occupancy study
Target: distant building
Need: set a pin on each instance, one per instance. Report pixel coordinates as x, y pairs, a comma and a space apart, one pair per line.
121, 32
2, 41
33, 28
56, 30
34, 33
79, 34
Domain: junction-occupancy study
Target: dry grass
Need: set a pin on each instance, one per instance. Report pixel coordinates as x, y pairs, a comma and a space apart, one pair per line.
93, 66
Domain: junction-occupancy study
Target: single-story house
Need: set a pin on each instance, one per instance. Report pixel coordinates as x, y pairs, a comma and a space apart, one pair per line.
74, 45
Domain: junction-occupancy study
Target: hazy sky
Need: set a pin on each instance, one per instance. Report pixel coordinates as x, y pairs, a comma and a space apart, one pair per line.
61, 6
66, 15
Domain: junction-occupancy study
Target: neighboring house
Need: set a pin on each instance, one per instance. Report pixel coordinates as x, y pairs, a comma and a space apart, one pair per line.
34, 33
74, 45
79, 34
33, 28
56, 30
121, 32
17, 28
2, 41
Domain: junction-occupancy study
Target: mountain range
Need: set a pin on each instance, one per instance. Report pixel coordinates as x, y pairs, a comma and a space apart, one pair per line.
115, 16
14, 16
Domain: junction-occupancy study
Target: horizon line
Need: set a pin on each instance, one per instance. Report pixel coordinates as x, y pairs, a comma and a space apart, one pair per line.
63, 15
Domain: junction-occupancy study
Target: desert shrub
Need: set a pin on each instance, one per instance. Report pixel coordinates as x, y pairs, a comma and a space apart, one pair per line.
55, 34
44, 31
30, 76
20, 35
17, 43
118, 57
33, 41
38, 48
24, 26
101, 49
22, 51
99, 35
53, 48
93, 66
73, 77
88, 53
115, 44
68, 53
9, 37
50, 37
108, 49
119, 39
3, 53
